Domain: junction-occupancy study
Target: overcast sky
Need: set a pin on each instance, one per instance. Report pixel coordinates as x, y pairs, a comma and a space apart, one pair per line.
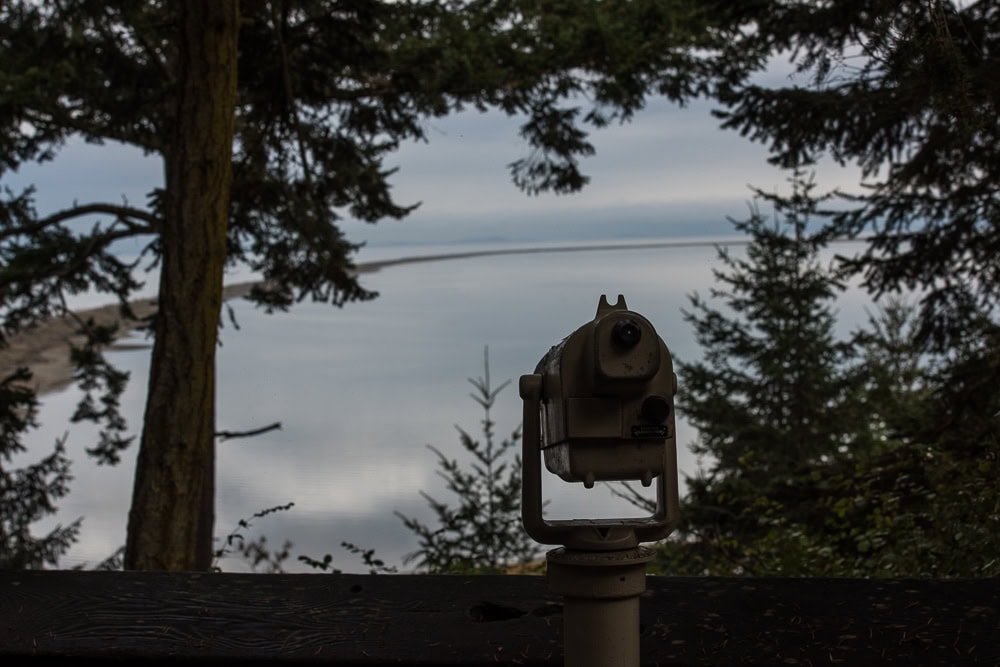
671, 171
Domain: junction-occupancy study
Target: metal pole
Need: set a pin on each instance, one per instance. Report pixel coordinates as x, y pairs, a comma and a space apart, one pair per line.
601, 592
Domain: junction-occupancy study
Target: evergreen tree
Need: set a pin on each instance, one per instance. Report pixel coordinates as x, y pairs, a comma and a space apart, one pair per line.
773, 396
914, 495
908, 92
923, 500
176, 458
482, 534
940, 513
28, 494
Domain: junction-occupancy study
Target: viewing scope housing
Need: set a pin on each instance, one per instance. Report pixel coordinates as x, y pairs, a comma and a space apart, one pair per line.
599, 407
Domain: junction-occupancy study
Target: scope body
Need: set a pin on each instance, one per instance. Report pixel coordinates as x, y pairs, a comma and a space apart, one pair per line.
599, 407
606, 405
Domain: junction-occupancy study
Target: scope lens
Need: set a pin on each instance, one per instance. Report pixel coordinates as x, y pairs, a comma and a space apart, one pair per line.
626, 334
655, 409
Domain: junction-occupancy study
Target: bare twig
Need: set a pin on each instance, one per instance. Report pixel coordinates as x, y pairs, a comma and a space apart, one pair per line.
226, 435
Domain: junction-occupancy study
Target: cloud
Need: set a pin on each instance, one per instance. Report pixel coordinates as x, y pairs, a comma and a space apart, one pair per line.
669, 171
669, 164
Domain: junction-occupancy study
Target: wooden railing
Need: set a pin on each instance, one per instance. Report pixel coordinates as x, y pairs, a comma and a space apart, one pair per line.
489, 620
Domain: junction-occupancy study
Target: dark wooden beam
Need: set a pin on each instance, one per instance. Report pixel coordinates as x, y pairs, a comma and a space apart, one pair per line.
489, 620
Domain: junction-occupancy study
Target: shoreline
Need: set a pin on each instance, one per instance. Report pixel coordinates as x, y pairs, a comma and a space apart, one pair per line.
43, 349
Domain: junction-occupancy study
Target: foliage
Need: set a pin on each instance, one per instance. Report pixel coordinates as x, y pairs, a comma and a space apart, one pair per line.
324, 92
374, 564
102, 385
906, 91
262, 558
774, 359
911, 508
949, 437
482, 534
29, 493
114, 562
256, 552
774, 394
901, 483
909, 93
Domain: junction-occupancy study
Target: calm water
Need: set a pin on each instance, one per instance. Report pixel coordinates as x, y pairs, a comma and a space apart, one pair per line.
360, 391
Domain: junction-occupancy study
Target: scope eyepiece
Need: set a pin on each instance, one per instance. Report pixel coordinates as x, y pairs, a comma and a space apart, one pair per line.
626, 334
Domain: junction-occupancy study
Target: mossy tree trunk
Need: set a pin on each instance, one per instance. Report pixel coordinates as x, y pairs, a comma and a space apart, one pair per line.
172, 514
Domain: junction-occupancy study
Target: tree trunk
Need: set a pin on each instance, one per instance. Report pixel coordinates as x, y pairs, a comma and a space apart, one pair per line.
172, 515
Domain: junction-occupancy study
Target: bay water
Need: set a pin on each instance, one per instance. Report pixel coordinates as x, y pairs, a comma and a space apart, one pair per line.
361, 391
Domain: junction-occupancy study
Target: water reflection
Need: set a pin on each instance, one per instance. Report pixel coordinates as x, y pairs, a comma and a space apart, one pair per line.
361, 390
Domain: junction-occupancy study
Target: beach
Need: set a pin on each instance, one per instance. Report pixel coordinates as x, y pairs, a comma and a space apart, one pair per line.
45, 348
